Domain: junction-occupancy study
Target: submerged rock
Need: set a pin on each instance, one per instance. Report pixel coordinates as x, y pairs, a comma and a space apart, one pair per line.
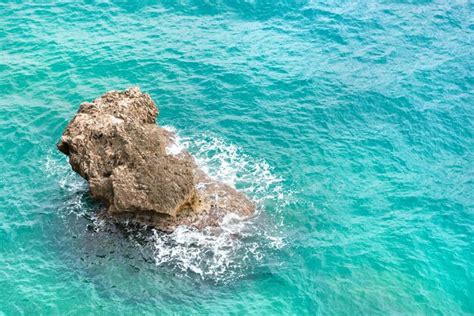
115, 144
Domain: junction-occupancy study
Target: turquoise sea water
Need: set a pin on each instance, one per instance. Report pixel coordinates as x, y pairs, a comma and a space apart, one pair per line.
349, 124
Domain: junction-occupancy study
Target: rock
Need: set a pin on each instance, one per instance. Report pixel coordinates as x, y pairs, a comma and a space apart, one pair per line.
115, 144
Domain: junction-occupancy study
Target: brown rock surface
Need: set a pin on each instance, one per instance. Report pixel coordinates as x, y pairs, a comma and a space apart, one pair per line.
115, 144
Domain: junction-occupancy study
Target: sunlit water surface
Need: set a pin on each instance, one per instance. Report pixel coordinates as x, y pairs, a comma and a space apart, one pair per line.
349, 125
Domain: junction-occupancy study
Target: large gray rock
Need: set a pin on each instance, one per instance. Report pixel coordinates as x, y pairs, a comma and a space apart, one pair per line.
115, 144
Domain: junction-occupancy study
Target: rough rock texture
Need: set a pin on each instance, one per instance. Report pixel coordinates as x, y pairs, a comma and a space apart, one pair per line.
115, 144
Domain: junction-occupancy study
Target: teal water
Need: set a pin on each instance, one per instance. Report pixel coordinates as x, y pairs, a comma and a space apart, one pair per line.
350, 125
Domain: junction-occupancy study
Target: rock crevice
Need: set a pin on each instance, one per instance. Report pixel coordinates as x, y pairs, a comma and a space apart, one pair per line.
115, 144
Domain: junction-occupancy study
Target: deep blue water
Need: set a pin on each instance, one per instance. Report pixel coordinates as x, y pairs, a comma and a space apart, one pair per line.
349, 124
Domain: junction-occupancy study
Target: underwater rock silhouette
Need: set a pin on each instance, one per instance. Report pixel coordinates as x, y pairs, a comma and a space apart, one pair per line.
115, 144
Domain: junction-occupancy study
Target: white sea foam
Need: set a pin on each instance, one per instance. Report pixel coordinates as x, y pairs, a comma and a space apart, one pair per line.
224, 254
227, 163
59, 168
175, 147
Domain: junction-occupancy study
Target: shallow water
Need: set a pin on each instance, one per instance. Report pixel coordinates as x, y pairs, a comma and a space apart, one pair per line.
350, 125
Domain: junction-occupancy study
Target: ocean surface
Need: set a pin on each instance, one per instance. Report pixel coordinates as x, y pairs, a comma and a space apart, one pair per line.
349, 124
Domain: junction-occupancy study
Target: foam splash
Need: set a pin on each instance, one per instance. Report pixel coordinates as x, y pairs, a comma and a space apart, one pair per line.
57, 166
201, 253
239, 243
176, 146
227, 163
213, 254
219, 257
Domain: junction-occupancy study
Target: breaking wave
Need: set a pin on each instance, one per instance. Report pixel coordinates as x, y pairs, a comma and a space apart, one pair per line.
212, 254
